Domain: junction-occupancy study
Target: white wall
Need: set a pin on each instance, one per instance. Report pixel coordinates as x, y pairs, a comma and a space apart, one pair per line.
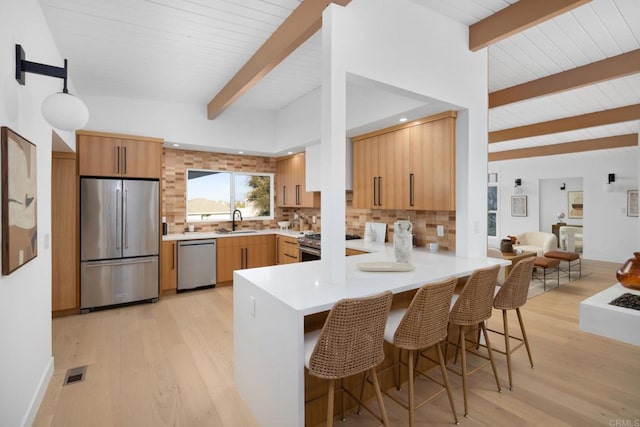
554, 200
26, 362
187, 124
298, 124
411, 48
609, 234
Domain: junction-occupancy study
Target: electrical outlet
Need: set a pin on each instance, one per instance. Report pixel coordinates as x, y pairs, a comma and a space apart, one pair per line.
440, 230
252, 306
313, 219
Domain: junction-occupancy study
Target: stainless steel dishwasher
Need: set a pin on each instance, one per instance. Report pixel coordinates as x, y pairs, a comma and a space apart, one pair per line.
196, 264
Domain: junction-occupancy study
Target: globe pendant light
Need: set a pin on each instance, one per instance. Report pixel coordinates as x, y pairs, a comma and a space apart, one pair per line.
64, 111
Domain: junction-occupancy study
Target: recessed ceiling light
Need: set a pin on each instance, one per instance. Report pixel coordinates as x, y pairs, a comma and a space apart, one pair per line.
240, 152
402, 119
289, 152
176, 145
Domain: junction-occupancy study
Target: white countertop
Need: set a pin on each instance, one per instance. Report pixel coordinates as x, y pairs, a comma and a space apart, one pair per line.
301, 286
196, 235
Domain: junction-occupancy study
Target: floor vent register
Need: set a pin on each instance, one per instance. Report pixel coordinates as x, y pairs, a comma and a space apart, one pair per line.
75, 375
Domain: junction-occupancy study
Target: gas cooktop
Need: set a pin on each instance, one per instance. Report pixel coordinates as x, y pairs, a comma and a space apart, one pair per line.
312, 240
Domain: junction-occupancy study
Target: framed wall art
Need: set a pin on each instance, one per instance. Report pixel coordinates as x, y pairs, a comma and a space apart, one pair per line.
632, 203
19, 197
576, 204
518, 205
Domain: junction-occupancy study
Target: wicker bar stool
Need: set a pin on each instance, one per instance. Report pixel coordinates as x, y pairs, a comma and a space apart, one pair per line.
511, 296
351, 342
471, 308
417, 329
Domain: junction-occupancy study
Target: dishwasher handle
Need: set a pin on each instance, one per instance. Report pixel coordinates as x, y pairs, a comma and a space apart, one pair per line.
183, 244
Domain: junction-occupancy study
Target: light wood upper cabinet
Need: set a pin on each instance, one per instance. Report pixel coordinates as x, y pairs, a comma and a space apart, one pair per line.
65, 290
104, 154
169, 266
286, 250
291, 184
237, 253
377, 167
409, 167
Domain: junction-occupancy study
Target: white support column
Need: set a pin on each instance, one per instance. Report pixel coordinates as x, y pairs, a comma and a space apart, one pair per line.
332, 138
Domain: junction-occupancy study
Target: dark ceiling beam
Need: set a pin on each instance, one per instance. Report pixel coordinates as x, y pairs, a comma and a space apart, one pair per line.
628, 140
607, 69
515, 18
599, 118
303, 22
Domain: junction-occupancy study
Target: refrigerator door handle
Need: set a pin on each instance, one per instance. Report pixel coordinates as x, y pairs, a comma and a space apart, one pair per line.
117, 217
124, 219
114, 263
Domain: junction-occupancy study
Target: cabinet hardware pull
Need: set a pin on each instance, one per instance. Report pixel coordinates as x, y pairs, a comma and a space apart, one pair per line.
411, 178
375, 185
284, 194
297, 194
124, 163
173, 256
117, 159
291, 256
379, 191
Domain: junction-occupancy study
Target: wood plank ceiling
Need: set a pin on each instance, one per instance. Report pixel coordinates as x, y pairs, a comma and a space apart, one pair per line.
169, 50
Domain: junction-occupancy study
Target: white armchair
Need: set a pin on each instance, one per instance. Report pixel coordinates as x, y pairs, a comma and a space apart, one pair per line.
537, 241
570, 238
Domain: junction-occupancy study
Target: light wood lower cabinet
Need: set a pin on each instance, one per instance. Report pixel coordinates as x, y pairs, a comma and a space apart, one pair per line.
286, 250
237, 253
169, 266
65, 293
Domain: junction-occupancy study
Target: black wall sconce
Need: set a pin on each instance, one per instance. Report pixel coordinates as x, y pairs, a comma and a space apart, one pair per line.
563, 186
608, 187
518, 186
61, 110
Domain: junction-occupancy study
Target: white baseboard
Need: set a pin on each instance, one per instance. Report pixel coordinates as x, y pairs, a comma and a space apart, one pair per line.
30, 416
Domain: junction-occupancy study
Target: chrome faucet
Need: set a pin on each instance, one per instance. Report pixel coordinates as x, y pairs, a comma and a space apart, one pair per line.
233, 219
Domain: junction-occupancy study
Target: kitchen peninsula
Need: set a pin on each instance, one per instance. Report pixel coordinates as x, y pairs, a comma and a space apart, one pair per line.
270, 306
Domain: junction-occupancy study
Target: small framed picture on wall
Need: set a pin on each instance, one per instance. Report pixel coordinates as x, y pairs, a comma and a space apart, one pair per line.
632, 203
518, 205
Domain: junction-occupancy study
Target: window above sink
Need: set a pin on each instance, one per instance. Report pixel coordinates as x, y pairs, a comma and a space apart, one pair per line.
213, 195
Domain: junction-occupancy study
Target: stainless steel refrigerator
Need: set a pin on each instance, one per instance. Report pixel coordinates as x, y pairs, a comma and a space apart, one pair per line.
119, 241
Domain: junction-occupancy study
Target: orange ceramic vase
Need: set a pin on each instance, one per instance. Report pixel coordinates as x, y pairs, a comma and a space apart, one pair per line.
629, 274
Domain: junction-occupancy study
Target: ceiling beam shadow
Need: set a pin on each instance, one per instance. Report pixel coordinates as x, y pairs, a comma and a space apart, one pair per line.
515, 18
303, 22
607, 69
599, 118
628, 140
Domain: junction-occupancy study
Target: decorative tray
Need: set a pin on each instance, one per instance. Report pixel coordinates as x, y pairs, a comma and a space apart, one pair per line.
385, 266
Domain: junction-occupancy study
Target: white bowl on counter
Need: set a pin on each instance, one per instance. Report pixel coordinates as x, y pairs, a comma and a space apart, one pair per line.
284, 224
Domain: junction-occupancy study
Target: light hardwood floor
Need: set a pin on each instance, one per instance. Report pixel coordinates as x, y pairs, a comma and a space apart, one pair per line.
171, 363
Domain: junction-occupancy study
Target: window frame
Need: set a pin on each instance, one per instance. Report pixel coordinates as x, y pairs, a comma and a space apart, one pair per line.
493, 212
232, 200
